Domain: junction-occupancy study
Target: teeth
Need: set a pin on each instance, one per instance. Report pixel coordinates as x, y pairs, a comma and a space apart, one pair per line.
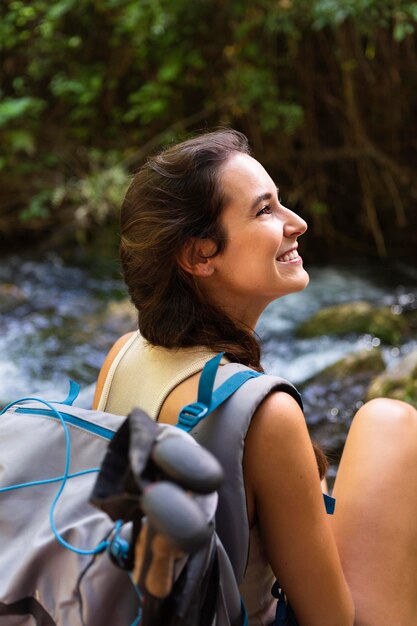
290, 256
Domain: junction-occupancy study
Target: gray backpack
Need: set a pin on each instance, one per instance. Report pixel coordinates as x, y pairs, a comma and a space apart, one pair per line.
59, 552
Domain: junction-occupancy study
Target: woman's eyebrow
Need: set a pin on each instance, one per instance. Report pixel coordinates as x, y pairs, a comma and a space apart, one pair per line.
262, 197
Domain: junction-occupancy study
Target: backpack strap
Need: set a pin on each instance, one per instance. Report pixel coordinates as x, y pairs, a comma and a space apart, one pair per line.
209, 400
227, 413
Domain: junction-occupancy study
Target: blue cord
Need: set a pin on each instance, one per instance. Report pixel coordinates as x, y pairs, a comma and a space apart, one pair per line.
47, 481
103, 544
137, 621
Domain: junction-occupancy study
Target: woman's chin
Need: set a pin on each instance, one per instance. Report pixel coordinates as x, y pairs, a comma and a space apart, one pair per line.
306, 279
300, 282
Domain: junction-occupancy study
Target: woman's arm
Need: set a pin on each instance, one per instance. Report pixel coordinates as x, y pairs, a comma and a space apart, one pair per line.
285, 498
106, 366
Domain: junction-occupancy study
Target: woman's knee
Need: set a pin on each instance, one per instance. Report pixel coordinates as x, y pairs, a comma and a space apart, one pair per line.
387, 415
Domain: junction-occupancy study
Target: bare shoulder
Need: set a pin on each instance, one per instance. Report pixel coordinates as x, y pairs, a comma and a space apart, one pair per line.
284, 496
276, 446
277, 426
113, 352
280, 404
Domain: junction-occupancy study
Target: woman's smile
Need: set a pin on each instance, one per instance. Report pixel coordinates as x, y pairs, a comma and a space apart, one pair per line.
291, 256
260, 261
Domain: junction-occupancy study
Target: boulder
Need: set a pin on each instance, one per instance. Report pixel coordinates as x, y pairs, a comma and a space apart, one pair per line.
333, 395
364, 362
399, 381
355, 317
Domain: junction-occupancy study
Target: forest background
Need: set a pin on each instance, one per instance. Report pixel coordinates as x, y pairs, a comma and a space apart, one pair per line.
326, 91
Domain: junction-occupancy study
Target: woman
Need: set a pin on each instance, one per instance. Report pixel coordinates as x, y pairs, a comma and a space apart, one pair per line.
205, 245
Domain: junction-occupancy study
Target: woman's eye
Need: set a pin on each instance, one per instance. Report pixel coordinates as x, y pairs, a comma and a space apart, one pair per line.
265, 210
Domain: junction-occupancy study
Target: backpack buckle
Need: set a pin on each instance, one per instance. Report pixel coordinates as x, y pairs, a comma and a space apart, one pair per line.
191, 414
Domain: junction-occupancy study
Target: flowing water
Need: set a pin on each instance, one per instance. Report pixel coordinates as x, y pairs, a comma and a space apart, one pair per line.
58, 321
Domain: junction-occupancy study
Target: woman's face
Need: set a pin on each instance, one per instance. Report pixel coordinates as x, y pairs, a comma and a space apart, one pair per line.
260, 261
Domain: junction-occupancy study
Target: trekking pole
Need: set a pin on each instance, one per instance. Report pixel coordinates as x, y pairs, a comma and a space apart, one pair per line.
175, 527
166, 484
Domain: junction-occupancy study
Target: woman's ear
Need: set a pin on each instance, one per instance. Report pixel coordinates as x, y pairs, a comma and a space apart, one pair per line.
195, 256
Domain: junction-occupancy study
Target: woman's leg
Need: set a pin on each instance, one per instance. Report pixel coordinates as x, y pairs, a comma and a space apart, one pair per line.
375, 521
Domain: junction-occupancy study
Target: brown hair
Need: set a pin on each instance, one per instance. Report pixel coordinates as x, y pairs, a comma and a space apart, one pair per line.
174, 197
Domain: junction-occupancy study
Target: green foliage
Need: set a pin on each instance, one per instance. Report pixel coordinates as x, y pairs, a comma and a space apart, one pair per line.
96, 196
38, 207
104, 69
12, 109
111, 75
332, 13
14, 136
93, 198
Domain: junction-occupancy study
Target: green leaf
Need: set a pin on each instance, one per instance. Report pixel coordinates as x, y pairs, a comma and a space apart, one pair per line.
402, 30
22, 141
38, 207
15, 108
59, 9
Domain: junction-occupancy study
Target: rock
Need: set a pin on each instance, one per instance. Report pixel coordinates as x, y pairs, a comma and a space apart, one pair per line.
399, 381
355, 317
368, 362
332, 397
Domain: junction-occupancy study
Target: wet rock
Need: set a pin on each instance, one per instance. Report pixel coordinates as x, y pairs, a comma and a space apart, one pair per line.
364, 362
355, 317
399, 381
332, 397
331, 437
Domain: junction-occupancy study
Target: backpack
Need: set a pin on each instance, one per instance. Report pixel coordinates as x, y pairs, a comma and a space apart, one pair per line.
58, 549
65, 562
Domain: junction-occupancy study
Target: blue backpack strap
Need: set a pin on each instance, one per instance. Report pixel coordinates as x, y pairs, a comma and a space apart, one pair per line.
207, 400
206, 382
73, 392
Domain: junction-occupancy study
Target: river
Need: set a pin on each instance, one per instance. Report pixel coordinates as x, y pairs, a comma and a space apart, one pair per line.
58, 321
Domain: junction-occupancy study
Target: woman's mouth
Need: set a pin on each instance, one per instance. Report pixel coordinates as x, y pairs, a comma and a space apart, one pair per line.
288, 257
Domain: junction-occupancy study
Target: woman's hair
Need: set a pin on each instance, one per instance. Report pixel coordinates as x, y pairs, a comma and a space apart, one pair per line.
174, 197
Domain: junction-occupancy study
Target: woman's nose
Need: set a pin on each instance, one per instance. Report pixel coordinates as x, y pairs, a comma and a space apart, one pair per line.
294, 225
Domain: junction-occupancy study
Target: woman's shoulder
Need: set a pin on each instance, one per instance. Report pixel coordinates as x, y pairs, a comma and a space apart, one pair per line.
278, 426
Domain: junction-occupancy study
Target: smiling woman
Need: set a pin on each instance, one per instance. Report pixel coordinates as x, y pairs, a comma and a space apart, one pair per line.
260, 262
205, 245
